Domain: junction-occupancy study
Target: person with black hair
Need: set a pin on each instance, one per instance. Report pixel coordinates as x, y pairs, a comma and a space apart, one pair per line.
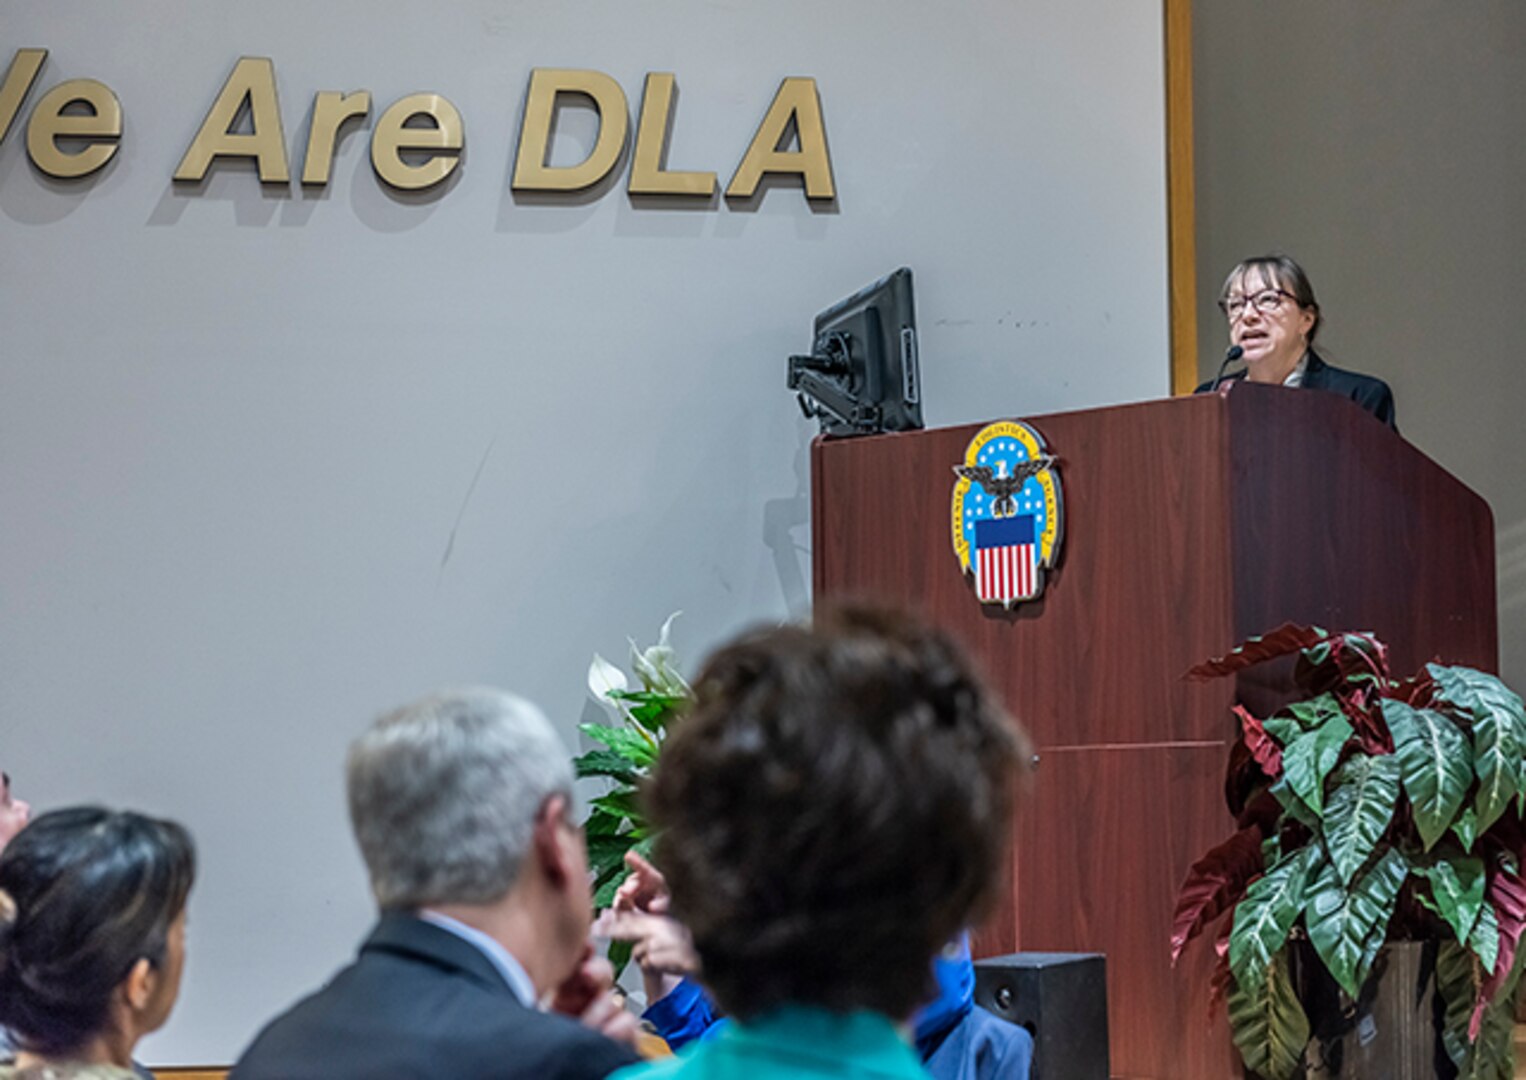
92, 939
14, 812
831, 812
1273, 320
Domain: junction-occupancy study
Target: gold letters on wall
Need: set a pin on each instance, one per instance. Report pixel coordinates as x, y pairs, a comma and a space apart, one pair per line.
797, 105
531, 173
100, 127
330, 111
97, 120
443, 140
252, 85
648, 177
19, 78
418, 141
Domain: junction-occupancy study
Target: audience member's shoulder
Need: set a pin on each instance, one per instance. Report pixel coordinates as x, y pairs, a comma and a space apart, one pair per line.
576, 1052
462, 1032
66, 1072
1008, 1046
662, 1069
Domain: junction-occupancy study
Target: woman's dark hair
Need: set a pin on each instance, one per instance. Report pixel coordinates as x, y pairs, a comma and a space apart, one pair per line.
1281, 272
834, 809
85, 893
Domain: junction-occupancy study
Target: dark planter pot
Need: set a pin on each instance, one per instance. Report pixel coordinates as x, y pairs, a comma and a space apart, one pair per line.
1391, 1030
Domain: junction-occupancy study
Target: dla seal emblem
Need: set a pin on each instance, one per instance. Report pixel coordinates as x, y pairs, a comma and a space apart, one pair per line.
1008, 517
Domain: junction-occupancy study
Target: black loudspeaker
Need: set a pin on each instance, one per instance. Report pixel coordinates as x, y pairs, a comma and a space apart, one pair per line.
1061, 998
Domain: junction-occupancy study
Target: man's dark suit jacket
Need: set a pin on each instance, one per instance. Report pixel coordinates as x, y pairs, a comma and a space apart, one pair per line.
1371, 394
419, 1002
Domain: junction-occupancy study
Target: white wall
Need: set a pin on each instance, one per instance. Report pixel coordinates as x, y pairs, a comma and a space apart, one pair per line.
1384, 146
272, 460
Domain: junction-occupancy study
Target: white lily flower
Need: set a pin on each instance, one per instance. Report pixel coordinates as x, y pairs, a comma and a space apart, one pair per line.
657, 666
604, 680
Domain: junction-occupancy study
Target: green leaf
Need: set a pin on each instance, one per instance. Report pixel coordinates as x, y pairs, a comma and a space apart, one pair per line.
1493, 1053
657, 714
619, 955
644, 846
1436, 765
1262, 920
1499, 734
604, 891
622, 803
1458, 887
1480, 694
1360, 808
650, 697
605, 763
602, 823
633, 746
1315, 712
1371, 947
1284, 729
652, 709
1344, 922
1497, 760
1268, 1023
1309, 758
1485, 939
607, 883
1465, 828
1295, 807
605, 851
1457, 982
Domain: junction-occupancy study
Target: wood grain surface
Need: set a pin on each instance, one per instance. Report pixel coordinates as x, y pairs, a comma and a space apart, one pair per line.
1190, 524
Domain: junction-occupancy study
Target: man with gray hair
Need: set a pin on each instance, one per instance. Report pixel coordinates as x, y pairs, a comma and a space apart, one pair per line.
461, 804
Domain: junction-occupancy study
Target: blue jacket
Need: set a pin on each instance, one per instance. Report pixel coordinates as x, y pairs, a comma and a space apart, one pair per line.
957, 1039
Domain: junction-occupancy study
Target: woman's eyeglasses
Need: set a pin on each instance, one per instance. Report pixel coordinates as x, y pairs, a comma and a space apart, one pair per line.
1266, 301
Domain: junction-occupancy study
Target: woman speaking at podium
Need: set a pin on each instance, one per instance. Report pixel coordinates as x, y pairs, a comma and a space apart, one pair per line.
1273, 318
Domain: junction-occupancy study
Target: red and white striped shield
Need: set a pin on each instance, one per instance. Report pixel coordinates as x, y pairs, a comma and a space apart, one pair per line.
1006, 560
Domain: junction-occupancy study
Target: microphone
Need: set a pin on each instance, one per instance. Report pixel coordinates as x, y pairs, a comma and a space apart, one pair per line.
1234, 353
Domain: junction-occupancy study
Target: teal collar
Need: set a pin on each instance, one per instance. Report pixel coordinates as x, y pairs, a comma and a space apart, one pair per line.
818, 1038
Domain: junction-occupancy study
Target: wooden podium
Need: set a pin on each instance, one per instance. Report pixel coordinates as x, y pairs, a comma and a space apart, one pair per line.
1191, 524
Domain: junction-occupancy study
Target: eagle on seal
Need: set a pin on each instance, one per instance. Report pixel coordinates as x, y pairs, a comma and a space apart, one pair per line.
1001, 486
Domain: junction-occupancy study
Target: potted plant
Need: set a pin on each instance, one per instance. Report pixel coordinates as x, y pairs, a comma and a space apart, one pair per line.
628, 750
1374, 810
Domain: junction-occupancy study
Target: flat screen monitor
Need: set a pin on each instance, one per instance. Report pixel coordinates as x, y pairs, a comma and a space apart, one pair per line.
861, 377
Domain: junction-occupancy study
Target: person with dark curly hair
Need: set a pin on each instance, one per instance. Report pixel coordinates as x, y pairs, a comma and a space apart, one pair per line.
955, 1038
833, 810
92, 939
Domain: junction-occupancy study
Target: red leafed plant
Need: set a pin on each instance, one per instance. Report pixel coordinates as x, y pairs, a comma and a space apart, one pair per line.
1375, 809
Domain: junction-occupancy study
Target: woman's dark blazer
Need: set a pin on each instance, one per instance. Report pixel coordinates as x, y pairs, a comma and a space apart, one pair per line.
1370, 393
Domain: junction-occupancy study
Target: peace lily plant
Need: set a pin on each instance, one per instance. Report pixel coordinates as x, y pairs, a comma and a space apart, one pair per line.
640, 715
1377, 809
